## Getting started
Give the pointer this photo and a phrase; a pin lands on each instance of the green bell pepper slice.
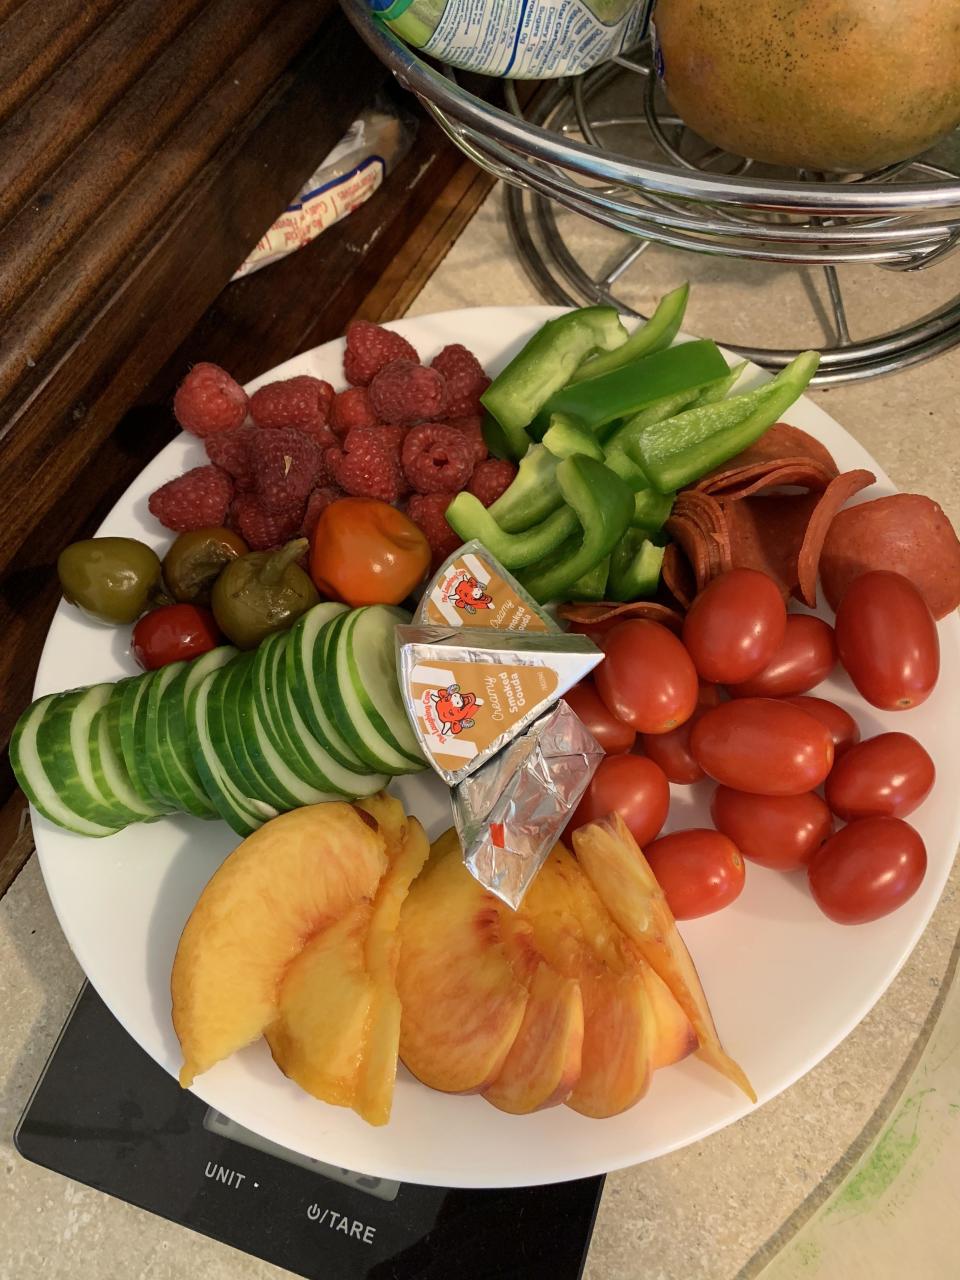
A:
(624, 392)
(470, 519)
(546, 364)
(593, 584)
(634, 567)
(533, 494)
(565, 437)
(651, 509)
(658, 333)
(603, 505)
(681, 449)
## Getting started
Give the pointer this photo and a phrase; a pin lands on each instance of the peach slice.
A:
(675, 1038)
(621, 875)
(378, 1068)
(463, 1005)
(326, 1006)
(619, 1031)
(283, 885)
(543, 1064)
(387, 812)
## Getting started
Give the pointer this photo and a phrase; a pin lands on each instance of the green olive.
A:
(262, 592)
(110, 579)
(196, 560)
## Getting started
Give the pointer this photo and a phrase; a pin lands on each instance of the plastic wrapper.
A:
(468, 693)
(518, 39)
(511, 812)
(374, 144)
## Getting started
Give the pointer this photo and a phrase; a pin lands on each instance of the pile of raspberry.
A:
(403, 432)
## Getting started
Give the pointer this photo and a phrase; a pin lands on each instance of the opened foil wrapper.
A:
(510, 813)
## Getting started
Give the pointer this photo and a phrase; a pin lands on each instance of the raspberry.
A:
(369, 348)
(317, 503)
(472, 428)
(491, 478)
(261, 529)
(302, 402)
(465, 379)
(230, 450)
(437, 458)
(286, 465)
(367, 466)
(426, 510)
(351, 408)
(404, 393)
(208, 400)
(198, 499)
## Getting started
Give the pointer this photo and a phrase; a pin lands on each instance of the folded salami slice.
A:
(677, 576)
(777, 443)
(783, 456)
(766, 533)
(604, 613)
(837, 492)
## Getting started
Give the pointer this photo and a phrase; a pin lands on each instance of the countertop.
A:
(845, 1174)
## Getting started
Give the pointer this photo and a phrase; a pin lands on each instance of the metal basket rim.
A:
(792, 196)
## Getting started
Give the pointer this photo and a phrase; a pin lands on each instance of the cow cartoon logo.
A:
(468, 594)
(454, 709)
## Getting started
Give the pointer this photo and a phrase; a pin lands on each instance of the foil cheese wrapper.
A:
(472, 589)
(468, 693)
(511, 812)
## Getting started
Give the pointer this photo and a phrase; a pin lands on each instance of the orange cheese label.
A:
(461, 708)
(469, 592)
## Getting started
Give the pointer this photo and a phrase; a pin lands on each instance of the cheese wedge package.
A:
(471, 589)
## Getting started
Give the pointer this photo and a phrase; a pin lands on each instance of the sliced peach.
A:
(378, 1069)
(387, 812)
(283, 885)
(462, 1002)
(326, 1001)
(619, 1030)
(675, 1037)
(621, 875)
(543, 1064)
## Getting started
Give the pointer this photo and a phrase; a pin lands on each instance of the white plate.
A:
(785, 984)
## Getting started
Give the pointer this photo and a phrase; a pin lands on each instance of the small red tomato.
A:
(867, 870)
(735, 626)
(887, 639)
(782, 832)
(646, 678)
(699, 871)
(807, 655)
(632, 786)
(763, 746)
(843, 728)
(890, 775)
(671, 751)
(173, 633)
(613, 735)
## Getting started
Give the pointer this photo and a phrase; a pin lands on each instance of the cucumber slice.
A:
(63, 744)
(365, 692)
(133, 693)
(227, 737)
(306, 664)
(241, 813)
(174, 746)
(145, 734)
(349, 782)
(32, 777)
(106, 763)
(154, 735)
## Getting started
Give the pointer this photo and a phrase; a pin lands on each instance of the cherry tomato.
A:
(671, 751)
(843, 728)
(807, 655)
(867, 870)
(890, 775)
(367, 552)
(782, 832)
(699, 871)
(613, 735)
(647, 678)
(173, 633)
(763, 746)
(632, 786)
(887, 639)
(735, 626)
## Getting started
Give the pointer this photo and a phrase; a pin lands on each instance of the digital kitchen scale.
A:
(105, 1114)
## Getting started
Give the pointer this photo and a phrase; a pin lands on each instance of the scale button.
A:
(340, 1223)
(232, 1178)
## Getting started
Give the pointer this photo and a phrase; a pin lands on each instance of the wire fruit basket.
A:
(667, 186)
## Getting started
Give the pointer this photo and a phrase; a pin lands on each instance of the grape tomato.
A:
(735, 626)
(763, 746)
(612, 734)
(844, 730)
(890, 775)
(671, 751)
(867, 870)
(632, 786)
(699, 870)
(806, 656)
(887, 640)
(647, 678)
(781, 832)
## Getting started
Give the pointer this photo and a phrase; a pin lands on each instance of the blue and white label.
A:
(534, 39)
